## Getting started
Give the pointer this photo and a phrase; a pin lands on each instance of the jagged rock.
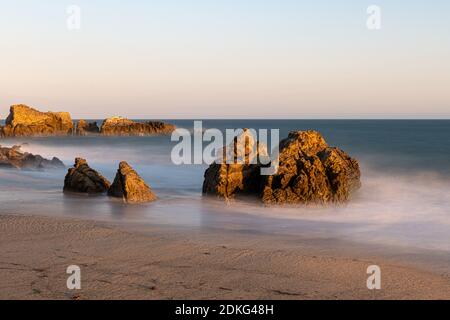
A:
(236, 177)
(26, 121)
(14, 158)
(311, 172)
(82, 178)
(118, 126)
(342, 171)
(129, 186)
(85, 128)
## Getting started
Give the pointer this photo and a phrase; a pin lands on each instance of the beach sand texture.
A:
(161, 263)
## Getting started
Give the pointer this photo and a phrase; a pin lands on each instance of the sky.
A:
(227, 58)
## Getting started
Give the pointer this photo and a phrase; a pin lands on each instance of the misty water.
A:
(404, 200)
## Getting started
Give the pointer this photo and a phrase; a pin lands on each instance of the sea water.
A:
(404, 199)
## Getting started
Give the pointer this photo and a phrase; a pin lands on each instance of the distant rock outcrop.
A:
(14, 158)
(229, 178)
(118, 126)
(26, 121)
(82, 178)
(311, 172)
(129, 186)
(85, 128)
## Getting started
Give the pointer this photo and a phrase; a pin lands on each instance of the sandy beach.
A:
(225, 150)
(158, 262)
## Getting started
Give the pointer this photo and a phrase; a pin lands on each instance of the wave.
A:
(406, 207)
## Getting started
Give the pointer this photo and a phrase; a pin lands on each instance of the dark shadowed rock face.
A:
(14, 158)
(84, 128)
(227, 180)
(26, 121)
(118, 126)
(311, 172)
(81, 178)
(129, 186)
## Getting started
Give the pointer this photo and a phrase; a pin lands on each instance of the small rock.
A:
(118, 126)
(84, 179)
(129, 186)
(14, 158)
(85, 128)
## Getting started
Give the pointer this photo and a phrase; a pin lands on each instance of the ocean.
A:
(404, 199)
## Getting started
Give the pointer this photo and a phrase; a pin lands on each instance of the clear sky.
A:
(227, 58)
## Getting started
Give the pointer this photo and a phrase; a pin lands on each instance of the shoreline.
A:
(158, 262)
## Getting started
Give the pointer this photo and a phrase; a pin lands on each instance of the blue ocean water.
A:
(405, 198)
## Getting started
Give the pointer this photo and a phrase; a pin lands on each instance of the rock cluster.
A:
(129, 186)
(26, 121)
(118, 126)
(309, 171)
(15, 158)
(82, 178)
(84, 128)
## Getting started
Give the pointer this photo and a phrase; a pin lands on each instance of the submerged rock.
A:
(85, 128)
(118, 126)
(129, 186)
(26, 121)
(227, 180)
(311, 172)
(82, 178)
(15, 158)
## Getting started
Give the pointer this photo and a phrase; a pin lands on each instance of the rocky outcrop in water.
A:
(16, 159)
(84, 128)
(227, 179)
(26, 121)
(311, 172)
(83, 179)
(129, 186)
(118, 126)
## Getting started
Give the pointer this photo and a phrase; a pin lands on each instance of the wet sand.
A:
(158, 262)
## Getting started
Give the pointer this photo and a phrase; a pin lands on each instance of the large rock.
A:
(84, 128)
(26, 121)
(15, 158)
(82, 178)
(129, 186)
(311, 172)
(118, 126)
(227, 179)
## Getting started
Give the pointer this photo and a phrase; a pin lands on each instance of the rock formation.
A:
(85, 128)
(229, 178)
(14, 158)
(81, 178)
(129, 186)
(118, 126)
(311, 172)
(26, 121)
